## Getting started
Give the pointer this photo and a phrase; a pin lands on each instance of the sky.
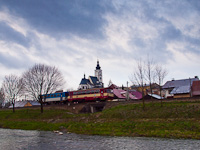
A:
(73, 34)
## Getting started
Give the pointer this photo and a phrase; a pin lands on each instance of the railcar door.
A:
(101, 92)
(61, 96)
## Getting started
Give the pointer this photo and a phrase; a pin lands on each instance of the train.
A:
(58, 97)
(95, 94)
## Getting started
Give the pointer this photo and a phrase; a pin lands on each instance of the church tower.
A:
(98, 72)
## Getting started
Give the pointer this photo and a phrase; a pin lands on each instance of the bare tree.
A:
(70, 89)
(150, 65)
(138, 78)
(12, 87)
(160, 74)
(42, 79)
(2, 97)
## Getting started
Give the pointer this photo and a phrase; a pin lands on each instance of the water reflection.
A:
(31, 140)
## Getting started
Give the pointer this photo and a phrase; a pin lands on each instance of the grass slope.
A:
(173, 120)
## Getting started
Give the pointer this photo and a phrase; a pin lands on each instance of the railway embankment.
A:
(175, 119)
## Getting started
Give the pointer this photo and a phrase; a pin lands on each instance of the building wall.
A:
(146, 90)
(98, 74)
(182, 95)
(167, 93)
(84, 86)
(27, 104)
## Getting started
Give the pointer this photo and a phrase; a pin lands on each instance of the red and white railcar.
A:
(96, 94)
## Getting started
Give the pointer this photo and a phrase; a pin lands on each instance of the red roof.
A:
(196, 88)
(122, 94)
(113, 86)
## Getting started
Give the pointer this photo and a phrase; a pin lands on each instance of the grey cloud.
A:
(61, 18)
(157, 14)
(84, 19)
(10, 35)
(13, 62)
(170, 33)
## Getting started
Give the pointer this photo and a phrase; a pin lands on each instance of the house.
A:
(146, 88)
(178, 88)
(26, 103)
(123, 94)
(196, 88)
(92, 81)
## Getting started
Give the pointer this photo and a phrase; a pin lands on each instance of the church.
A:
(92, 81)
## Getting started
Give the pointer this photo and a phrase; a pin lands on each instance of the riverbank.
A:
(173, 120)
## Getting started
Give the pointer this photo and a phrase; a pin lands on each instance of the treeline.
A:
(150, 72)
(37, 80)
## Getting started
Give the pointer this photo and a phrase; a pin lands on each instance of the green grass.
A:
(173, 120)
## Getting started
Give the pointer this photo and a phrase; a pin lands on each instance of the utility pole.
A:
(127, 93)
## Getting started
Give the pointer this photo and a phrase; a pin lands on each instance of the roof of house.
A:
(181, 90)
(113, 86)
(94, 80)
(137, 94)
(153, 85)
(196, 88)
(178, 83)
(34, 103)
(155, 96)
(84, 80)
(20, 103)
(122, 94)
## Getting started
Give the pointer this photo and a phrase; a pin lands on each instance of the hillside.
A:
(173, 120)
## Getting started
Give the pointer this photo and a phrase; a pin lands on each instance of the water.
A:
(41, 140)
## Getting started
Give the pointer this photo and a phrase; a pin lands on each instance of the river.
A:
(42, 140)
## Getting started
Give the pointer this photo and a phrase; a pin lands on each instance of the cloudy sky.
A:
(73, 34)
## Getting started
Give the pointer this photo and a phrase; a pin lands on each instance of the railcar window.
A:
(108, 91)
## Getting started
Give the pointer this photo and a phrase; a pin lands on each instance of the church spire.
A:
(98, 66)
